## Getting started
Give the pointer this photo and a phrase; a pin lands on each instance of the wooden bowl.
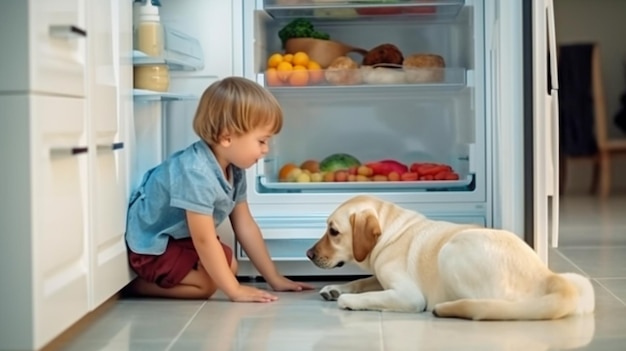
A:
(319, 50)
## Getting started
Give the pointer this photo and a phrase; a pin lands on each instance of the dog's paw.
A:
(349, 302)
(330, 292)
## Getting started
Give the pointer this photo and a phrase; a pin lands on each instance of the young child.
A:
(173, 215)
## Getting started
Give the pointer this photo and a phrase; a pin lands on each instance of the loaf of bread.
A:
(343, 71)
(424, 68)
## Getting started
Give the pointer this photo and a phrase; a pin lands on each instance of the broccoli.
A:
(300, 28)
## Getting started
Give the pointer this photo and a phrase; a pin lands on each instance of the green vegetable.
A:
(300, 28)
(338, 161)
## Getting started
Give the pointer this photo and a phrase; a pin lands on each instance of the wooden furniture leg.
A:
(605, 174)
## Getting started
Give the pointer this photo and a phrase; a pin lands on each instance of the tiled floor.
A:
(593, 241)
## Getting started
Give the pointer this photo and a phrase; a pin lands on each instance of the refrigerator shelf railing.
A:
(175, 63)
(446, 79)
(269, 184)
(149, 95)
(346, 10)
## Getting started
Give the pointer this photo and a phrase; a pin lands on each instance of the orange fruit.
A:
(274, 60)
(272, 79)
(283, 174)
(300, 58)
(288, 58)
(316, 74)
(284, 70)
(299, 76)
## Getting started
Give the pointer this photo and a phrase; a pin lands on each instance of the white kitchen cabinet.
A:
(50, 37)
(44, 253)
(66, 100)
(110, 107)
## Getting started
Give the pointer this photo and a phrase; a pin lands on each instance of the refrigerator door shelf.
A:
(463, 184)
(142, 95)
(344, 9)
(393, 81)
(174, 61)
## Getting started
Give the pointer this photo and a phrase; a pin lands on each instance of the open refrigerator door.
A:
(546, 131)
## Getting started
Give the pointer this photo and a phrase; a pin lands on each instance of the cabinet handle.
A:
(113, 147)
(68, 151)
(67, 32)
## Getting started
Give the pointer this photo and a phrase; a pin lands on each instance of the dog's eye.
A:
(333, 231)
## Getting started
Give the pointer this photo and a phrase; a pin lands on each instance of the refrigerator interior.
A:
(441, 121)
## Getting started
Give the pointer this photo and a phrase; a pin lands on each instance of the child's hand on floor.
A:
(250, 294)
(283, 284)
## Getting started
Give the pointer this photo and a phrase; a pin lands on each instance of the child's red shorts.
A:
(168, 269)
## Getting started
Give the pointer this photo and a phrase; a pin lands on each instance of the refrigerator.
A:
(491, 116)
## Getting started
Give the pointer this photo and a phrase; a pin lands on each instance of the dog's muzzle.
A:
(310, 254)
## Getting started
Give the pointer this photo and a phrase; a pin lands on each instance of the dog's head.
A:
(352, 232)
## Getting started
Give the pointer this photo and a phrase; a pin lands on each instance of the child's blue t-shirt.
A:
(190, 179)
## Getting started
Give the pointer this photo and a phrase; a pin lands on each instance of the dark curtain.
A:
(576, 116)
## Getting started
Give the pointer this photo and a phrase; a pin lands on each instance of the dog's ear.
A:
(365, 233)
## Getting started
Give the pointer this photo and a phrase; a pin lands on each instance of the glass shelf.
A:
(343, 9)
(447, 79)
(148, 95)
(365, 186)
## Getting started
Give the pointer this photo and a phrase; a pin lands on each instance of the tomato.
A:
(379, 168)
(441, 175)
(409, 176)
(378, 11)
(421, 9)
(452, 176)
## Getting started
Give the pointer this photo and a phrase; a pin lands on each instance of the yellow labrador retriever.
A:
(453, 270)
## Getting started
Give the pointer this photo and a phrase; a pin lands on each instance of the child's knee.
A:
(210, 290)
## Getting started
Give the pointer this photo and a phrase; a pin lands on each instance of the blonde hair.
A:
(236, 106)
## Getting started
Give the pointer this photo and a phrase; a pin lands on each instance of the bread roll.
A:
(424, 68)
(343, 71)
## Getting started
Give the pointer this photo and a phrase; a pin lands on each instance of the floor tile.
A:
(606, 344)
(297, 319)
(598, 262)
(431, 333)
(561, 264)
(617, 286)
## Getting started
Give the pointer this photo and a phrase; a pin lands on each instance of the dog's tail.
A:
(565, 294)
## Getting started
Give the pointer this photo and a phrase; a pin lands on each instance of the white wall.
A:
(604, 22)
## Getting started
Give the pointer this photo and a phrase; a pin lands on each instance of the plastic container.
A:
(149, 31)
(152, 77)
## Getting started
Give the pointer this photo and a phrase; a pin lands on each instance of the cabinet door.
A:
(59, 218)
(57, 47)
(109, 266)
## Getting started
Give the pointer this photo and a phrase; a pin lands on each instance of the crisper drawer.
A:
(286, 243)
(288, 238)
(479, 220)
(283, 249)
(45, 51)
